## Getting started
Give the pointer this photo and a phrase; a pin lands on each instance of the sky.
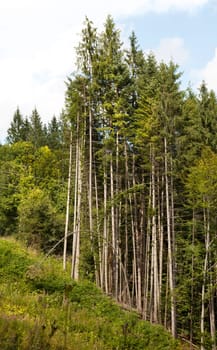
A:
(38, 40)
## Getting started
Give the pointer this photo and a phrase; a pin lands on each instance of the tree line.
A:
(126, 178)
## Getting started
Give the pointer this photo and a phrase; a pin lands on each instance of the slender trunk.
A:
(77, 209)
(154, 247)
(161, 240)
(90, 191)
(212, 317)
(98, 268)
(166, 297)
(78, 226)
(126, 208)
(105, 233)
(205, 266)
(147, 263)
(90, 177)
(192, 283)
(170, 246)
(76, 241)
(117, 220)
(67, 204)
(114, 240)
(138, 277)
(75, 200)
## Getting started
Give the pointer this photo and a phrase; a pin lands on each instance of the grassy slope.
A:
(42, 308)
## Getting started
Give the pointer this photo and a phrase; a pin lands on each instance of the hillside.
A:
(42, 308)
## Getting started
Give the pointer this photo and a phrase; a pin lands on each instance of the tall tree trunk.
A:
(170, 245)
(117, 220)
(105, 232)
(146, 308)
(192, 282)
(160, 238)
(138, 277)
(154, 245)
(212, 316)
(78, 197)
(75, 200)
(114, 239)
(205, 266)
(67, 204)
(90, 177)
(126, 226)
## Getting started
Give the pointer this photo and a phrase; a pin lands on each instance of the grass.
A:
(41, 308)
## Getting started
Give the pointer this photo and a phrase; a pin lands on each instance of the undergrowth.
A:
(41, 308)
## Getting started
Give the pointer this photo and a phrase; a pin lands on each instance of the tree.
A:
(39, 223)
(37, 134)
(54, 134)
(202, 187)
(19, 128)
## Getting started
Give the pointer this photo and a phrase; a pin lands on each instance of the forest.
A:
(123, 184)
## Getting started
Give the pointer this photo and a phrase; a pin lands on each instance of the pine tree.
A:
(19, 128)
(37, 134)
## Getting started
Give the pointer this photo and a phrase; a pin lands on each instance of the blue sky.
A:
(37, 41)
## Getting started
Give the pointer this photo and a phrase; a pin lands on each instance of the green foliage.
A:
(140, 145)
(19, 128)
(42, 308)
(38, 221)
(14, 261)
(202, 181)
(32, 194)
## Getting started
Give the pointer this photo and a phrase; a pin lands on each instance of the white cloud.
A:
(208, 74)
(178, 5)
(172, 49)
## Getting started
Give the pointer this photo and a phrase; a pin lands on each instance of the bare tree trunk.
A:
(212, 317)
(90, 191)
(77, 209)
(117, 220)
(126, 208)
(105, 234)
(138, 277)
(170, 246)
(98, 269)
(210, 289)
(154, 247)
(161, 240)
(146, 312)
(78, 225)
(114, 239)
(67, 204)
(192, 283)
(90, 177)
(202, 318)
(166, 297)
(75, 200)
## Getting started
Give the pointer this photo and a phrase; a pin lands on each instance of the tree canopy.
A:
(128, 172)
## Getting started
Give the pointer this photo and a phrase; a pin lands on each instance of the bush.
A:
(42, 308)
(14, 260)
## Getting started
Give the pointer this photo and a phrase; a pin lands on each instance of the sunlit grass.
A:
(41, 308)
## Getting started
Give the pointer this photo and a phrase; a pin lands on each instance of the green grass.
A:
(41, 308)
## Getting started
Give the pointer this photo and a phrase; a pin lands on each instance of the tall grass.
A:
(42, 308)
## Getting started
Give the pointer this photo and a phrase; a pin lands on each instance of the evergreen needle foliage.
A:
(124, 186)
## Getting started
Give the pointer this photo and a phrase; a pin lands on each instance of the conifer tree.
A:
(19, 128)
(37, 134)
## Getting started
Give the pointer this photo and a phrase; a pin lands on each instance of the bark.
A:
(67, 204)
(154, 248)
(170, 245)
(146, 308)
(105, 234)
